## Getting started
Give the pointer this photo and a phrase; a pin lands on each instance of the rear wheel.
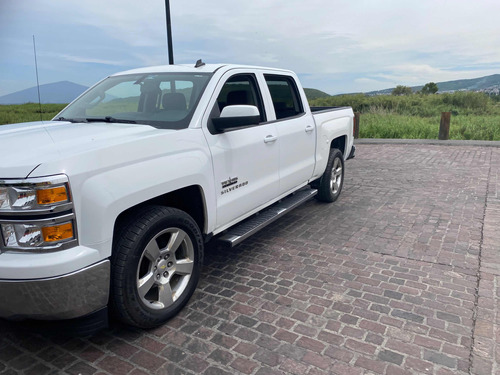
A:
(330, 184)
(156, 266)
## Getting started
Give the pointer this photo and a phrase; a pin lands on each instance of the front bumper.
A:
(64, 297)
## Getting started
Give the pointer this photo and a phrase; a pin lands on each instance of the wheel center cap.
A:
(162, 266)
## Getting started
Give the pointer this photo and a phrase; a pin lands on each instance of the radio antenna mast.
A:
(169, 34)
(37, 83)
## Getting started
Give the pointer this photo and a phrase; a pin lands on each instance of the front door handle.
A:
(309, 128)
(270, 139)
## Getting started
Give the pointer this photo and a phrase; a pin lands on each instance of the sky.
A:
(337, 46)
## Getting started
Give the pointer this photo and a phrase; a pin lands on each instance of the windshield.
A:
(163, 100)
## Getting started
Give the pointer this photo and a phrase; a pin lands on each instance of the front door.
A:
(246, 159)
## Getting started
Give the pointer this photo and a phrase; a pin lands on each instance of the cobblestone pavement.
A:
(399, 276)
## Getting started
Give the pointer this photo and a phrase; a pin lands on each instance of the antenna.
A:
(169, 34)
(37, 83)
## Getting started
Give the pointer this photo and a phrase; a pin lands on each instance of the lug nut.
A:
(167, 256)
(155, 268)
(169, 264)
(165, 274)
(158, 276)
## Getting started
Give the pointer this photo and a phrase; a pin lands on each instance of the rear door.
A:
(245, 159)
(296, 132)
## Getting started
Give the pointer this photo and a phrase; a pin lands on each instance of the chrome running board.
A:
(233, 236)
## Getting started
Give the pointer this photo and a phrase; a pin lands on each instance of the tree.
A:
(402, 90)
(430, 88)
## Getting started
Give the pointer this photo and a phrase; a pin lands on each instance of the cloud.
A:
(336, 45)
(81, 59)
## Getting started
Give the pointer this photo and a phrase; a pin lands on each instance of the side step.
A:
(233, 236)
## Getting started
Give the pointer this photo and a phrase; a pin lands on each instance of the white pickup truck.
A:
(111, 202)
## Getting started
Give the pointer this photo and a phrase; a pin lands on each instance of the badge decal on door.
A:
(229, 182)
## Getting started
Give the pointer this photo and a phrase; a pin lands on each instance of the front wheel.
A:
(330, 184)
(156, 265)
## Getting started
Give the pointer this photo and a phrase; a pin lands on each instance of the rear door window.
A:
(285, 96)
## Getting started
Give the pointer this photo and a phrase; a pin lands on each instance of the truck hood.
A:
(23, 147)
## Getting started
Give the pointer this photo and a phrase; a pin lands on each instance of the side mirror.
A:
(234, 116)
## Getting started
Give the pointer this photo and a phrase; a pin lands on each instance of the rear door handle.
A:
(270, 139)
(309, 128)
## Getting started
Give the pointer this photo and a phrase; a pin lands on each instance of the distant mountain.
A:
(315, 94)
(476, 84)
(488, 84)
(58, 92)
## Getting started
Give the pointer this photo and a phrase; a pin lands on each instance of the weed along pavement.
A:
(400, 276)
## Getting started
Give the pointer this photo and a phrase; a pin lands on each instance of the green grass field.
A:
(11, 114)
(475, 116)
(412, 127)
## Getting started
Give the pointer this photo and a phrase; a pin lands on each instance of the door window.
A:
(241, 89)
(285, 96)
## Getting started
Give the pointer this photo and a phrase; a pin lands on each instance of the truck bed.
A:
(327, 109)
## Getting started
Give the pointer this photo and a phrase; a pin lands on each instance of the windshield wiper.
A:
(110, 119)
(73, 120)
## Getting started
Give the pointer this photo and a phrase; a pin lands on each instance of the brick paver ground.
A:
(400, 276)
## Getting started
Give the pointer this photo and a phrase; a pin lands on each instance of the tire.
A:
(330, 184)
(155, 266)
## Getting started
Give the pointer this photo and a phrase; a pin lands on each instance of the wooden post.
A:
(444, 126)
(357, 116)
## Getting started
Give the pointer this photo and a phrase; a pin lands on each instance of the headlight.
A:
(37, 214)
(37, 195)
(45, 234)
(4, 198)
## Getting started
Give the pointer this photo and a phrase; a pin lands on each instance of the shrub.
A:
(402, 90)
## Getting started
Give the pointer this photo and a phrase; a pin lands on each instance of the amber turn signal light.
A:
(58, 232)
(53, 195)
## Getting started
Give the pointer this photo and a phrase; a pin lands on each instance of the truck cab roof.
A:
(190, 68)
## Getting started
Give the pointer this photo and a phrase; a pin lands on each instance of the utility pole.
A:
(169, 34)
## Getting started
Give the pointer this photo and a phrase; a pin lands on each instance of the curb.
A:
(426, 142)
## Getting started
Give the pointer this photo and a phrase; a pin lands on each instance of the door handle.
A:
(270, 139)
(309, 128)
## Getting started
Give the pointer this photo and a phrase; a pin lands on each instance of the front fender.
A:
(105, 196)
(108, 178)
